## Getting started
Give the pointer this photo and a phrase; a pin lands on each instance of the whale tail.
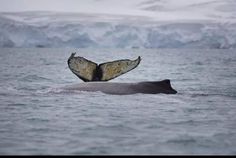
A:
(88, 71)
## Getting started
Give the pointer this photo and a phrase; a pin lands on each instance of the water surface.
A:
(38, 117)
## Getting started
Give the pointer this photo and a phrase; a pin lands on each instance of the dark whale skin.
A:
(118, 88)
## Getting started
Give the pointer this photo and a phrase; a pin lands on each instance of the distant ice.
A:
(132, 24)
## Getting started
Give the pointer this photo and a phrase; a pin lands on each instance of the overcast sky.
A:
(32, 5)
(64, 5)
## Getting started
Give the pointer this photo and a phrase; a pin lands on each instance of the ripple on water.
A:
(17, 104)
(33, 78)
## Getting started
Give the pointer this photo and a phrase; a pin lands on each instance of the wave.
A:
(34, 78)
(213, 94)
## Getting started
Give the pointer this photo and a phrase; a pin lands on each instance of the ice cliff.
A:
(154, 30)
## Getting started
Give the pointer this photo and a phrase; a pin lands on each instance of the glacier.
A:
(102, 30)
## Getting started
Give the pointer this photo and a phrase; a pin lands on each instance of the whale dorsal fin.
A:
(82, 67)
(90, 71)
(111, 70)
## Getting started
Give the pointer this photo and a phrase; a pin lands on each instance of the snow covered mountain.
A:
(125, 24)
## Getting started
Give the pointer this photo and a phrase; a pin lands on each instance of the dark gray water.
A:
(38, 117)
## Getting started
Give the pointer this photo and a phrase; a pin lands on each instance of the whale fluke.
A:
(88, 71)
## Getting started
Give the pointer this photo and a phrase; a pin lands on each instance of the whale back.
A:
(149, 87)
(154, 87)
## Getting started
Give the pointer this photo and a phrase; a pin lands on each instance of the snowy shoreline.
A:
(134, 24)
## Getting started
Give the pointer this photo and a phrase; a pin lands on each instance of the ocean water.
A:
(38, 117)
